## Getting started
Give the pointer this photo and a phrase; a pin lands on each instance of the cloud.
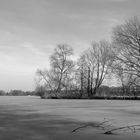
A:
(30, 30)
(117, 0)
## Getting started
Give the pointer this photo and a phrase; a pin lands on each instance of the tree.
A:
(121, 76)
(126, 39)
(45, 83)
(59, 77)
(40, 91)
(98, 60)
(2, 93)
(62, 65)
(80, 75)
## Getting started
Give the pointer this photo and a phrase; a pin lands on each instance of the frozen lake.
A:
(32, 118)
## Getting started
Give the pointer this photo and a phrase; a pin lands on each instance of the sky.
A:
(31, 29)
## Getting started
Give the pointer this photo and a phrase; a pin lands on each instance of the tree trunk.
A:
(81, 91)
(88, 86)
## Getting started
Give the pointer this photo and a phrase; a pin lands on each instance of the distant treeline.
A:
(104, 92)
(17, 93)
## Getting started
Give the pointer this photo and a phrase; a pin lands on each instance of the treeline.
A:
(119, 58)
(104, 92)
(17, 93)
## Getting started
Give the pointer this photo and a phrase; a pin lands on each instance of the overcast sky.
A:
(30, 29)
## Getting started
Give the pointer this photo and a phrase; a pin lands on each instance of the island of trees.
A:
(85, 77)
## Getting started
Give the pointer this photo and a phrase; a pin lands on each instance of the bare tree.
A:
(97, 60)
(60, 74)
(81, 74)
(121, 76)
(126, 39)
(62, 65)
(46, 80)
